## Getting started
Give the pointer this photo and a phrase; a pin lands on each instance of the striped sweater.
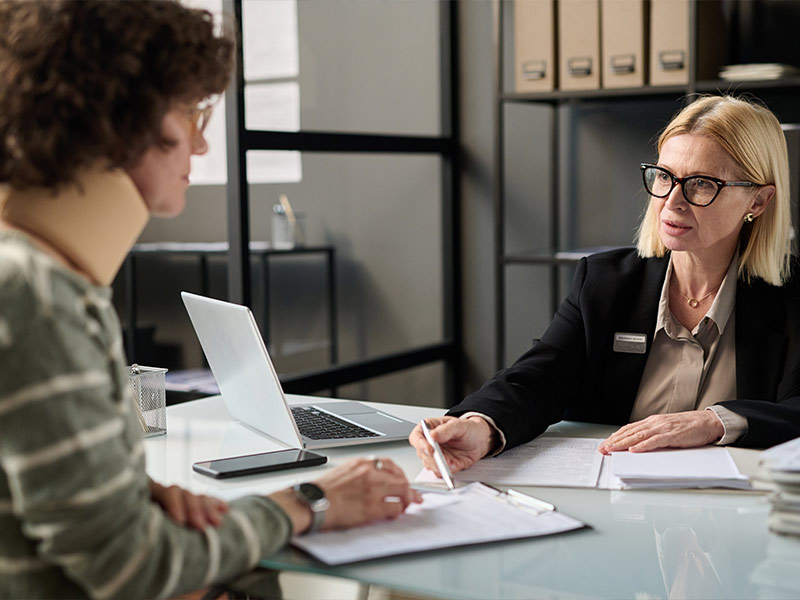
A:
(76, 518)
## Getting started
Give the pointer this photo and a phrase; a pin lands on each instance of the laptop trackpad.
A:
(375, 420)
(346, 407)
(369, 417)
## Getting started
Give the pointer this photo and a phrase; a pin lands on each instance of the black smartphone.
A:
(237, 466)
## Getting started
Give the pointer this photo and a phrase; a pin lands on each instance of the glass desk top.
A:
(642, 544)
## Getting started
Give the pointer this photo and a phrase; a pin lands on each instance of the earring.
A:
(748, 218)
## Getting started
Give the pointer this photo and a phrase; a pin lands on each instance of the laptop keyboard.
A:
(318, 425)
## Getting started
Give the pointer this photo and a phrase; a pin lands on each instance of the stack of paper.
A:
(191, 380)
(782, 463)
(706, 467)
(757, 71)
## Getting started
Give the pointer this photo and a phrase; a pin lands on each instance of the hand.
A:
(463, 441)
(358, 491)
(688, 429)
(363, 490)
(191, 510)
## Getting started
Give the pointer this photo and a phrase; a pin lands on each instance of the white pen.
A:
(444, 470)
(530, 500)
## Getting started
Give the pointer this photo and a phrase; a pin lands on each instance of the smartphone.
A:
(264, 462)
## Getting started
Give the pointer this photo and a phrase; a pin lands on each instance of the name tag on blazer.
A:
(630, 343)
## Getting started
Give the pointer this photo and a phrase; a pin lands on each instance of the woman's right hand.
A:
(463, 441)
(359, 491)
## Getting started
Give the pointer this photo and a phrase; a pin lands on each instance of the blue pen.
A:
(438, 457)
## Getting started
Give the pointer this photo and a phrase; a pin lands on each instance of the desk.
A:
(700, 544)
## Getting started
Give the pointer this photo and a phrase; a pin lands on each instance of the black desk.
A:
(203, 250)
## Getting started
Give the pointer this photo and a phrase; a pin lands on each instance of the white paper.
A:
(545, 461)
(783, 457)
(607, 480)
(469, 515)
(272, 106)
(709, 466)
(271, 39)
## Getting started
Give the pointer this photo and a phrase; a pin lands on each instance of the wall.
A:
(477, 212)
(359, 70)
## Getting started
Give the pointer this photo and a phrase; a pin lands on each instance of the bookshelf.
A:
(560, 202)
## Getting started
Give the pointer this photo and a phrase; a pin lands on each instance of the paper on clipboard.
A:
(474, 514)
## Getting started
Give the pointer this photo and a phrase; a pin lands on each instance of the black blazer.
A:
(573, 373)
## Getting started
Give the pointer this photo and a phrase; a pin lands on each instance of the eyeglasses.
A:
(199, 116)
(699, 190)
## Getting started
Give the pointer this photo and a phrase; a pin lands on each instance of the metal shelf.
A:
(240, 140)
(555, 99)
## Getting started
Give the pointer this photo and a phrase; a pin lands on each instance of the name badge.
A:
(631, 343)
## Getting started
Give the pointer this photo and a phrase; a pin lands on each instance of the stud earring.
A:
(748, 218)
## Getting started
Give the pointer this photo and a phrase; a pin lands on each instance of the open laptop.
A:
(253, 394)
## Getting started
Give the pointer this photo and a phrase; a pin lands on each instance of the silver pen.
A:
(438, 457)
(530, 500)
(523, 500)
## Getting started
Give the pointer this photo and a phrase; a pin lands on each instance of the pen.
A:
(438, 457)
(523, 500)
(530, 500)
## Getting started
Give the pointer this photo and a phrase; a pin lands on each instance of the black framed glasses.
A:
(699, 190)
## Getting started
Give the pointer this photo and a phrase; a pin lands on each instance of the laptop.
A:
(253, 394)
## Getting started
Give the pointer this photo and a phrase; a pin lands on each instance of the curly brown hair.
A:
(89, 81)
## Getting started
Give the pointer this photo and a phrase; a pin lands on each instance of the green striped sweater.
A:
(76, 518)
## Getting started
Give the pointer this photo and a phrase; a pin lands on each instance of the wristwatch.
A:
(314, 498)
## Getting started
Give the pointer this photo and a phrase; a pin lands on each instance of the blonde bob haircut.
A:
(752, 135)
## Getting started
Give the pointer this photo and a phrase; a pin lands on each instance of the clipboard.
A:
(473, 514)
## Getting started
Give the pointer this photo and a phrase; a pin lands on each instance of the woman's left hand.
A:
(188, 509)
(688, 429)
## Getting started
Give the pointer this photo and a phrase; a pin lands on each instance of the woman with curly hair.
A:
(102, 104)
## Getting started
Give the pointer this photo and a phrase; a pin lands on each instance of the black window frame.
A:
(241, 140)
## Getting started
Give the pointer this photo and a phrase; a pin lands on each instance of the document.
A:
(706, 467)
(575, 462)
(783, 457)
(782, 465)
(545, 461)
(473, 514)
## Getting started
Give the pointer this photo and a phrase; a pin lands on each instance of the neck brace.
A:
(93, 223)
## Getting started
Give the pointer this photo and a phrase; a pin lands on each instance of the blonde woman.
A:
(689, 339)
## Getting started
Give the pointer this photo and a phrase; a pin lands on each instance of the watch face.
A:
(311, 491)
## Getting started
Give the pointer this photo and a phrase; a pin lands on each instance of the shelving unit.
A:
(240, 140)
(203, 252)
(779, 90)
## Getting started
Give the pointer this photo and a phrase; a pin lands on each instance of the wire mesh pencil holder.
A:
(149, 398)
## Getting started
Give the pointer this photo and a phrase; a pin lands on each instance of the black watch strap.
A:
(313, 496)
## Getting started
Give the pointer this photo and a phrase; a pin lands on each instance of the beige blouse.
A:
(686, 370)
(693, 370)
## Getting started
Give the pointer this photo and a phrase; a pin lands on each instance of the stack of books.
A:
(782, 466)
